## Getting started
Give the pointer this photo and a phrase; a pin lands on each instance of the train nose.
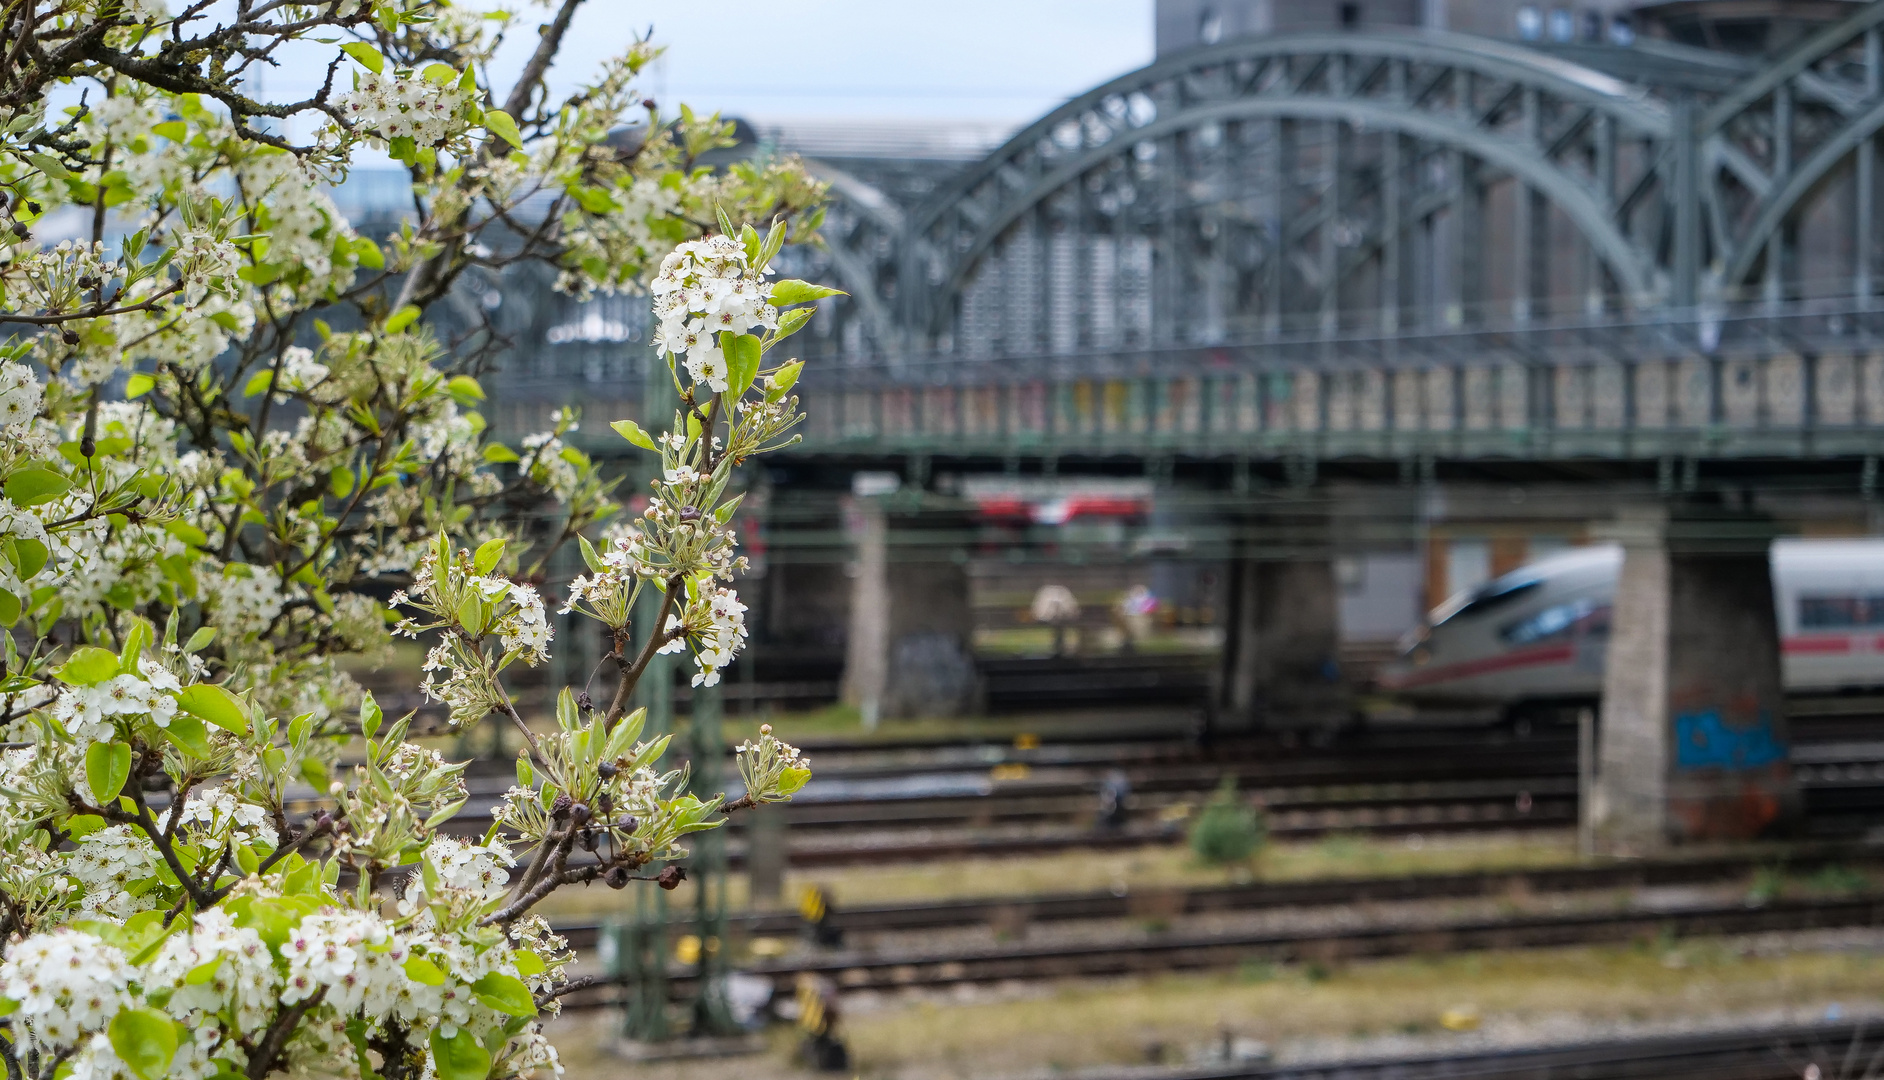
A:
(1415, 654)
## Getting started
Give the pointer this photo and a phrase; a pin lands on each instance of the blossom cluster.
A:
(705, 288)
(20, 394)
(714, 626)
(67, 982)
(86, 712)
(773, 770)
(408, 106)
(220, 983)
(469, 603)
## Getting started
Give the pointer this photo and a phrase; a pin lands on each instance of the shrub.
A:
(1229, 830)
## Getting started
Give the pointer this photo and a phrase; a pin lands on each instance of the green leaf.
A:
(314, 771)
(367, 55)
(473, 613)
(742, 364)
(488, 555)
(205, 971)
(370, 715)
(32, 486)
(505, 993)
(774, 239)
(49, 165)
(780, 382)
(402, 318)
(189, 734)
(8, 1006)
(749, 239)
(459, 1057)
(107, 767)
(188, 533)
(210, 702)
(340, 482)
(174, 130)
(145, 1040)
(10, 609)
(634, 433)
(139, 384)
(790, 322)
(140, 635)
(266, 273)
(499, 123)
(258, 382)
(589, 556)
(526, 775)
(439, 74)
(200, 640)
(465, 390)
(793, 291)
(89, 665)
(593, 199)
(31, 556)
(423, 971)
(791, 779)
(528, 963)
(499, 454)
(369, 254)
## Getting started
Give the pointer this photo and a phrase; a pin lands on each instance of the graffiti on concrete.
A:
(1704, 741)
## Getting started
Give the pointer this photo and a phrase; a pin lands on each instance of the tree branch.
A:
(262, 1061)
(657, 638)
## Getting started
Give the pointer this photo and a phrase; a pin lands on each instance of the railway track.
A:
(1177, 902)
(1181, 951)
(1839, 1051)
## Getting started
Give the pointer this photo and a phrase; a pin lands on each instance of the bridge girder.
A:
(1573, 145)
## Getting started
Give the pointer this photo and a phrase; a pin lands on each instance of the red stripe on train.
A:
(1465, 669)
(1820, 644)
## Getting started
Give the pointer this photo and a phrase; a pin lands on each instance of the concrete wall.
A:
(1281, 666)
(909, 647)
(1692, 736)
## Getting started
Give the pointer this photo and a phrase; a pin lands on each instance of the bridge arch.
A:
(1429, 122)
(1794, 128)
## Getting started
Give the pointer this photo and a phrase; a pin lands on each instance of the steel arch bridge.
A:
(1384, 244)
(1381, 245)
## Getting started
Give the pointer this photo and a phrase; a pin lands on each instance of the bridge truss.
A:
(1375, 242)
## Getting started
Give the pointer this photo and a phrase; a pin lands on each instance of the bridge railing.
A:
(1802, 379)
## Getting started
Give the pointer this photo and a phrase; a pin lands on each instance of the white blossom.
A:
(68, 984)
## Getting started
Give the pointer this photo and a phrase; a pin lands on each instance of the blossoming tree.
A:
(227, 435)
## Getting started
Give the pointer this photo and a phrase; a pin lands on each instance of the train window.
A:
(1557, 620)
(1492, 595)
(1835, 612)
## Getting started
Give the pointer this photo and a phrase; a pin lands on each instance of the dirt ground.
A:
(1311, 1012)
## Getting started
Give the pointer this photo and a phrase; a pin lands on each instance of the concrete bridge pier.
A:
(1282, 635)
(909, 651)
(1692, 737)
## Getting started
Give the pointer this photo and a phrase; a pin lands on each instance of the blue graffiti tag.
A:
(1703, 741)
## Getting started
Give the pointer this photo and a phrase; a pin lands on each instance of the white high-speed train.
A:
(1539, 634)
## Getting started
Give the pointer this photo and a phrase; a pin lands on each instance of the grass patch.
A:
(1113, 1024)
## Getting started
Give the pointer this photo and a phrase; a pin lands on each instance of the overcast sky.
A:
(994, 60)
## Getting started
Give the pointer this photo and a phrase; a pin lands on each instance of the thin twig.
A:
(262, 1061)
